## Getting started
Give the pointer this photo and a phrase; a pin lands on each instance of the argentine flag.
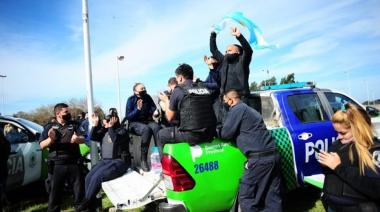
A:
(256, 38)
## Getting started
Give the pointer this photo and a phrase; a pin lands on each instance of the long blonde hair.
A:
(351, 117)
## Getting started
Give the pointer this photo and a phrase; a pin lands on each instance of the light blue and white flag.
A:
(256, 38)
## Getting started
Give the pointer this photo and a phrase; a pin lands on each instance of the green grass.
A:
(34, 198)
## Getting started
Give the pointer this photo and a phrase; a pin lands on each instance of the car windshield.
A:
(32, 125)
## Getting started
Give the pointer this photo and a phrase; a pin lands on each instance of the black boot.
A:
(144, 161)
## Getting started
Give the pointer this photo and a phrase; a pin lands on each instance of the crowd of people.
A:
(197, 111)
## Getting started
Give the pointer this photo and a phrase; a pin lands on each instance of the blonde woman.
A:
(352, 167)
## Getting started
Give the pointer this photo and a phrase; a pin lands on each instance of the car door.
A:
(308, 125)
(24, 163)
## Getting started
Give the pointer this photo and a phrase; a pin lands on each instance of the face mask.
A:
(226, 105)
(142, 93)
(231, 57)
(66, 117)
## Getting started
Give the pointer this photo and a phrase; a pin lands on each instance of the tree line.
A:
(43, 114)
(290, 78)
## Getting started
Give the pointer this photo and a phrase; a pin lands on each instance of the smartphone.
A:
(316, 149)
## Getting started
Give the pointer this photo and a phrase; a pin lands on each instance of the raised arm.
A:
(247, 49)
(214, 49)
(97, 132)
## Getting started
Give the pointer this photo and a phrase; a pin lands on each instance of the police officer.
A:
(193, 105)
(352, 165)
(234, 67)
(172, 83)
(63, 137)
(115, 156)
(139, 112)
(259, 187)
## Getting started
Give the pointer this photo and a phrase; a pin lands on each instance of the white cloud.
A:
(154, 37)
(310, 48)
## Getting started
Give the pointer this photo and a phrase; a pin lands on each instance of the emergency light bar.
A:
(290, 85)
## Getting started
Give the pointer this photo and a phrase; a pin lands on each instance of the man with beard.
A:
(234, 66)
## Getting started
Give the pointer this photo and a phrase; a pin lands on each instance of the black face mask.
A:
(66, 117)
(226, 105)
(142, 93)
(231, 57)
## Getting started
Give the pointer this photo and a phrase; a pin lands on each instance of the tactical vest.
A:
(195, 108)
(118, 149)
(62, 148)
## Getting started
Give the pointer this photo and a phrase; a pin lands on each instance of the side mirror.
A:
(372, 111)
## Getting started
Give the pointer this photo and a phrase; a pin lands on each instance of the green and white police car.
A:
(25, 163)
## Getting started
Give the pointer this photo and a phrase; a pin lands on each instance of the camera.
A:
(112, 113)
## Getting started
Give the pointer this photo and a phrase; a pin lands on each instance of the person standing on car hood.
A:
(233, 69)
(63, 137)
(259, 187)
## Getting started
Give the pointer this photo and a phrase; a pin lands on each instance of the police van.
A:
(205, 177)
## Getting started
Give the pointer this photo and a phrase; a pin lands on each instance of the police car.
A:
(205, 177)
(25, 163)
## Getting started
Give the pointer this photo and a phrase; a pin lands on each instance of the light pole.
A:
(118, 58)
(2, 94)
(348, 81)
(265, 81)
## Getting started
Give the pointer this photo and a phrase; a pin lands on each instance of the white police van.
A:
(25, 163)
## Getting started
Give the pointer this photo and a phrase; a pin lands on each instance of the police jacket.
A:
(246, 125)
(145, 114)
(62, 149)
(345, 181)
(195, 108)
(114, 142)
(233, 75)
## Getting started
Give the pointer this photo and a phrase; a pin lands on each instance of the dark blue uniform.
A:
(115, 160)
(174, 134)
(63, 163)
(141, 121)
(260, 184)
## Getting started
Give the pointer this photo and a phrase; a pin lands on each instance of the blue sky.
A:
(334, 43)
